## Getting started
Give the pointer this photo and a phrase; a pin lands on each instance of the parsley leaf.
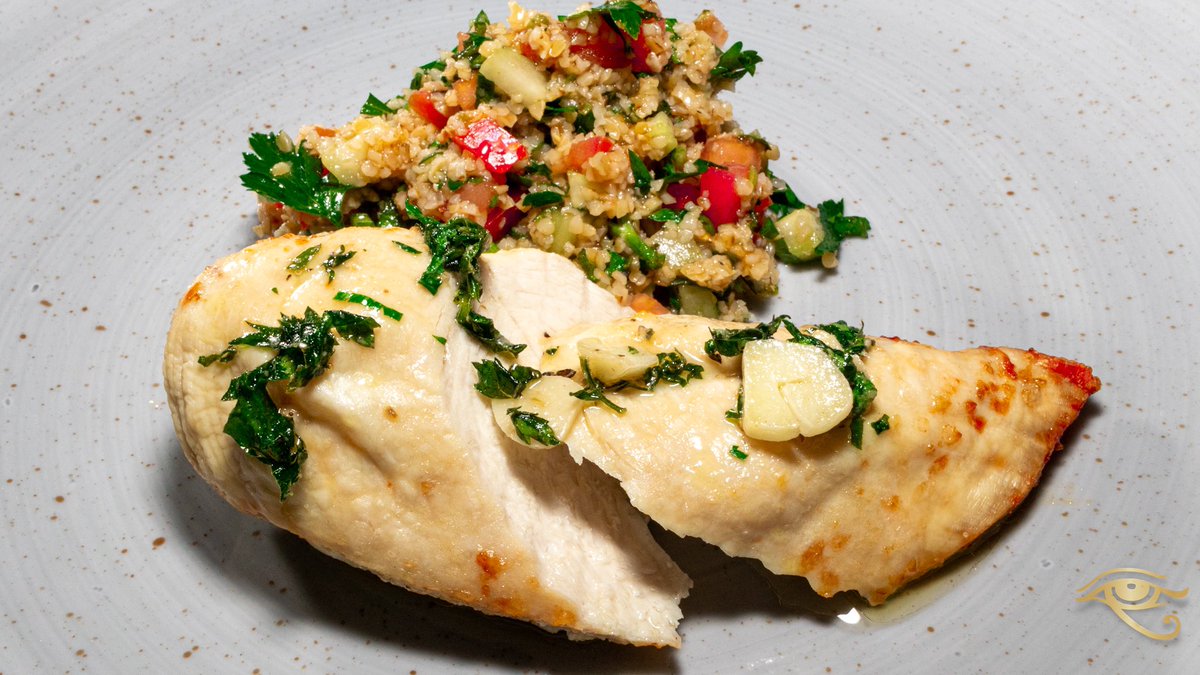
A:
(473, 40)
(374, 107)
(531, 427)
(738, 454)
(673, 368)
(616, 263)
(300, 262)
(369, 302)
(667, 216)
(839, 226)
(335, 259)
(303, 347)
(735, 63)
(625, 14)
(732, 341)
(496, 381)
(641, 175)
(301, 186)
(406, 248)
(738, 410)
(542, 198)
(419, 76)
(593, 389)
(455, 247)
(882, 424)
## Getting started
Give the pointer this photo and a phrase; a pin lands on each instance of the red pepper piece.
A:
(724, 204)
(500, 221)
(493, 144)
(684, 194)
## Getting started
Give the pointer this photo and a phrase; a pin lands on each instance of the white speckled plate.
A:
(1031, 173)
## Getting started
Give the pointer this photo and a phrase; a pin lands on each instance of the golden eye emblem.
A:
(1132, 594)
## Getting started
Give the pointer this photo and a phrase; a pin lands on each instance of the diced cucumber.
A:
(516, 77)
(561, 220)
(697, 301)
(658, 135)
(801, 232)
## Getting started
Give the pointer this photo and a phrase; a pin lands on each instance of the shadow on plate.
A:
(303, 584)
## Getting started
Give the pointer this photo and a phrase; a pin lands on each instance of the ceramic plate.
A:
(1030, 173)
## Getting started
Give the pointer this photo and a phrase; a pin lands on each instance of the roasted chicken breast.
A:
(969, 434)
(406, 473)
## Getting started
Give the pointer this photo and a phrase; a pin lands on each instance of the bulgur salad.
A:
(597, 135)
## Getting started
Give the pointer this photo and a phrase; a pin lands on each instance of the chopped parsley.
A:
(738, 410)
(441, 340)
(336, 259)
(531, 427)
(738, 454)
(419, 76)
(371, 303)
(735, 63)
(593, 389)
(455, 247)
(303, 346)
(374, 107)
(616, 263)
(292, 177)
(469, 51)
(882, 424)
(542, 198)
(496, 381)
(673, 368)
(667, 216)
(625, 14)
(300, 262)
(406, 248)
(839, 226)
(641, 175)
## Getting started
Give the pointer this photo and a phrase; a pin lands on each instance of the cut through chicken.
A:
(969, 434)
(407, 475)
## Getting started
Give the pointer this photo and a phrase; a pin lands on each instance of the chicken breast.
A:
(969, 434)
(406, 473)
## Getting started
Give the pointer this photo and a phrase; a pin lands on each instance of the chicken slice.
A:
(407, 475)
(969, 434)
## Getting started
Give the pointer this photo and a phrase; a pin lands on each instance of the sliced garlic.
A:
(615, 363)
(791, 390)
(548, 397)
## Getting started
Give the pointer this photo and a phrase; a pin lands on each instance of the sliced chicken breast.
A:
(969, 434)
(406, 473)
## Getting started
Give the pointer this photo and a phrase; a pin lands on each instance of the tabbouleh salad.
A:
(598, 136)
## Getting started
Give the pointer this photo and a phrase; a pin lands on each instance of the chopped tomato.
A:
(644, 302)
(500, 221)
(478, 194)
(728, 151)
(652, 34)
(325, 132)
(724, 204)
(493, 144)
(464, 91)
(684, 194)
(709, 23)
(421, 103)
(584, 150)
(606, 48)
